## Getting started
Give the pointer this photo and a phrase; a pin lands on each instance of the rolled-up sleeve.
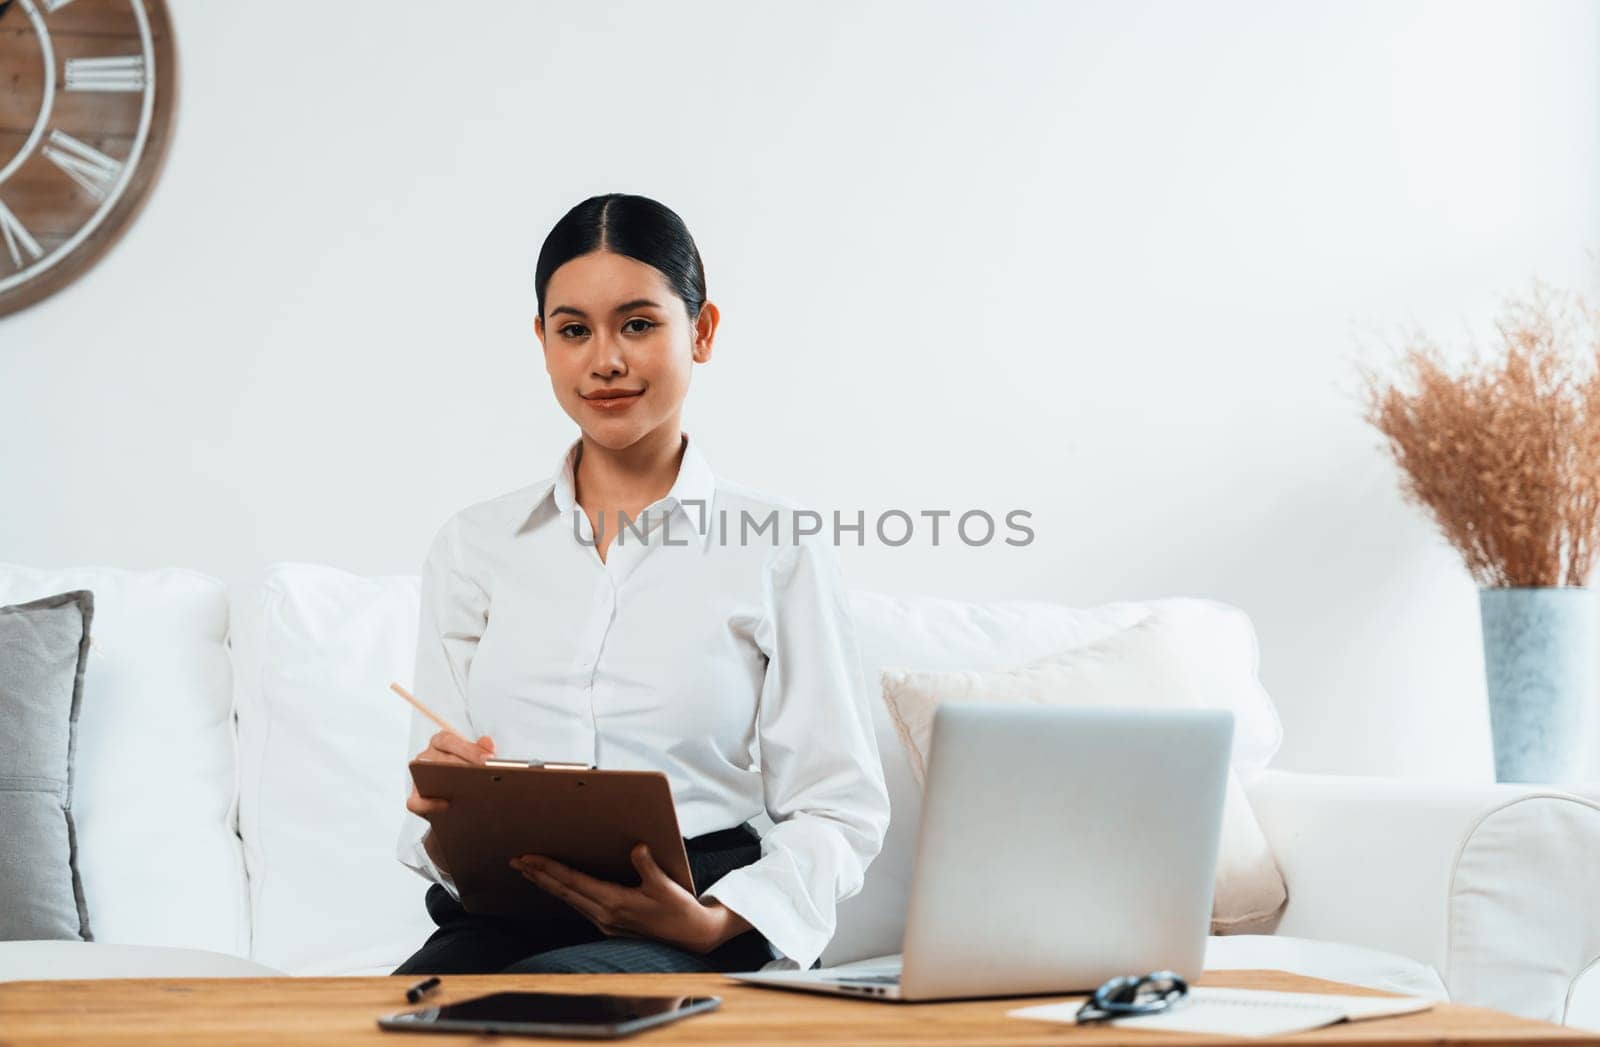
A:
(454, 610)
(821, 774)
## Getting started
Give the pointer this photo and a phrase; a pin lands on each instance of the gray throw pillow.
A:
(44, 645)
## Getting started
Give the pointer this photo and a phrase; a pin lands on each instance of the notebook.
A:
(1246, 1012)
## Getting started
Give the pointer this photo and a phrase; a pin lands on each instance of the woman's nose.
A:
(608, 359)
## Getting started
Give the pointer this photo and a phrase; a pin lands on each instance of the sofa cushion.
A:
(51, 961)
(944, 635)
(155, 774)
(1165, 660)
(44, 645)
(322, 748)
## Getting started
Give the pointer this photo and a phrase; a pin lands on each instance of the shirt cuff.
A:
(771, 910)
(414, 856)
(443, 879)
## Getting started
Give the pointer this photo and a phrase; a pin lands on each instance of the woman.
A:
(635, 611)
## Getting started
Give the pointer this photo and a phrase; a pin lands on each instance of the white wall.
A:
(1107, 262)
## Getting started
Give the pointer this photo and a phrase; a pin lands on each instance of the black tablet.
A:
(592, 1015)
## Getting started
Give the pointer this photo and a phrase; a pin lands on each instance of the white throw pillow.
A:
(323, 747)
(1154, 663)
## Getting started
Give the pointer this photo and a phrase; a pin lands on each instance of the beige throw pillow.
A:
(1152, 663)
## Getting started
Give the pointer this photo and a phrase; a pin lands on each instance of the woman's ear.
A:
(705, 331)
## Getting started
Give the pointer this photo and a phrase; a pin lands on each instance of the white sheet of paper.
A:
(1245, 1012)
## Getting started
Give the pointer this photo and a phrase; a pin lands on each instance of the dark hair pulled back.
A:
(635, 226)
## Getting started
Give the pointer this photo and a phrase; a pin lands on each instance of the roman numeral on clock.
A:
(17, 238)
(117, 73)
(84, 164)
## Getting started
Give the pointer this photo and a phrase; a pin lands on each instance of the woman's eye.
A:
(578, 330)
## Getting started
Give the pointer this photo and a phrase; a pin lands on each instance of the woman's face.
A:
(618, 345)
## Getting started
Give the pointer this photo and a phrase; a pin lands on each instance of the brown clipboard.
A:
(588, 819)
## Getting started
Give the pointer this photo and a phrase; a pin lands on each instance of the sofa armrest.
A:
(1493, 885)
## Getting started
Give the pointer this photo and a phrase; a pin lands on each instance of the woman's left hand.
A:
(658, 908)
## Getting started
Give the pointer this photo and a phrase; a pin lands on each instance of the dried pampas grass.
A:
(1505, 452)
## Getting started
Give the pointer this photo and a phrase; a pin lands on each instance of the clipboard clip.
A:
(554, 765)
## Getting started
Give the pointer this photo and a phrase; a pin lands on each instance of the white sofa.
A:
(241, 772)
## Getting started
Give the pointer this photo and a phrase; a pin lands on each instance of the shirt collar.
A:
(690, 494)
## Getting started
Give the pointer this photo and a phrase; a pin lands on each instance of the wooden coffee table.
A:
(345, 1010)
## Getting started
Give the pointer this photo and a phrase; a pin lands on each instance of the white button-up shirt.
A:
(718, 649)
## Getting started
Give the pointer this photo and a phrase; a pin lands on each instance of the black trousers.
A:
(479, 943)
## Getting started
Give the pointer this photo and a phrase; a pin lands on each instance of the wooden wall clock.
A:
(88, 90)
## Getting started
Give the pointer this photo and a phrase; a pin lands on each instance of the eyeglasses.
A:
(1129, 996)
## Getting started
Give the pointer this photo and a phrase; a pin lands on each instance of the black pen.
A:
(419, 990)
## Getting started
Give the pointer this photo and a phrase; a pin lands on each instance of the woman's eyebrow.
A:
(637, 303)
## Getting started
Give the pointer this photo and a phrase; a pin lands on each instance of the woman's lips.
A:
(612, 404)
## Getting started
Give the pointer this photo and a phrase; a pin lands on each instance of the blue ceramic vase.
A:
(1539, 654)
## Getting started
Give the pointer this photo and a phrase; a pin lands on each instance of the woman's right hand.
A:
(445, 747)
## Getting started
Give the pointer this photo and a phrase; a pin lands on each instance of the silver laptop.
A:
(1058, 849)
